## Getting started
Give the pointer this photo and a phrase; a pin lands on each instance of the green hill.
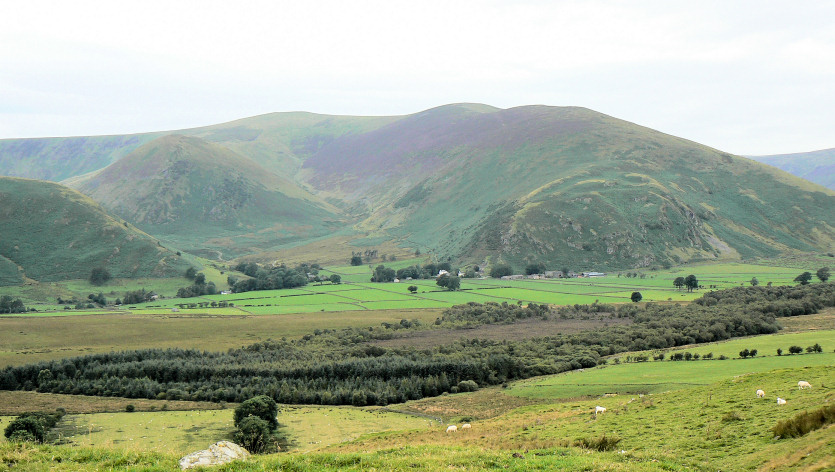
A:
(815, 166)
(566, 186)
(206, 198)
(49, 232)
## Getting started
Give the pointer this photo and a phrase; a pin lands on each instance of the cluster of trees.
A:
(136, 296)
(11, 305)
(500, 270)
(99, 299)
(690, 282)
(199, 286)
(32, 426)
(806, 277)
(815, 348)
(687, 356)
(427, 271)
(369, 255)
(347, 367)
(272, 278)
(449, 282)
(383, 274)
(747, 353)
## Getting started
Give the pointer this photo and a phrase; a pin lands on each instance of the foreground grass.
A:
(430, 458)
(721, 426)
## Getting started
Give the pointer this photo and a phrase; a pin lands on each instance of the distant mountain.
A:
(49, 232)
(206, 198)
(815, 166)
(280, 142)
(566, 186)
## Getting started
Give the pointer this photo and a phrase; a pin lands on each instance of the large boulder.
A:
(218, 453)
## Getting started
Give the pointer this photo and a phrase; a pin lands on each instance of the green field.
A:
(357, 293)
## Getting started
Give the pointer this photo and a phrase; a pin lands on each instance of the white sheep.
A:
(803, 384)
(451, 428)
(780, 401)
(466, 426)
(598, 409)
(760, 394)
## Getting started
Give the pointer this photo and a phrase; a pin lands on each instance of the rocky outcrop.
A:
(218, 453)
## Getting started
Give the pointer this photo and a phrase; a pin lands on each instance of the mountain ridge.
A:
(566, 186)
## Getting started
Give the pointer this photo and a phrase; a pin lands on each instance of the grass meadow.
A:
(697, 415)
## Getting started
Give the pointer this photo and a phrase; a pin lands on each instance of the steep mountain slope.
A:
(205, 197)
(815, 166)
(277, 141)
(49, 232)
(566, 186)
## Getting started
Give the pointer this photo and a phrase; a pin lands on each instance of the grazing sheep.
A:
(760, 394)
(780, 401)
(466, 426)
(803, 384)
(451, 428)
(598, 409)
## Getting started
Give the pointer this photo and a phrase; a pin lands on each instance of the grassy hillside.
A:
(815, 166)
(566, 186)
(50, 232)
(207, 198)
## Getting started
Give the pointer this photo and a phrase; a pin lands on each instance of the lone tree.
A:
(412, 288)
(636, 297)
(257, 422)
(678, 282)
(823, 274)
(795, 349)
(356, 260)
(691, 282)
(754, 282)
(99, 276)
(262, 407)
(804, 278)
(335, 279)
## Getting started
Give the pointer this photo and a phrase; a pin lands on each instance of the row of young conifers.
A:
(349, 366)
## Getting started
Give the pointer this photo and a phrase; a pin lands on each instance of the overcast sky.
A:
(747, 77)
